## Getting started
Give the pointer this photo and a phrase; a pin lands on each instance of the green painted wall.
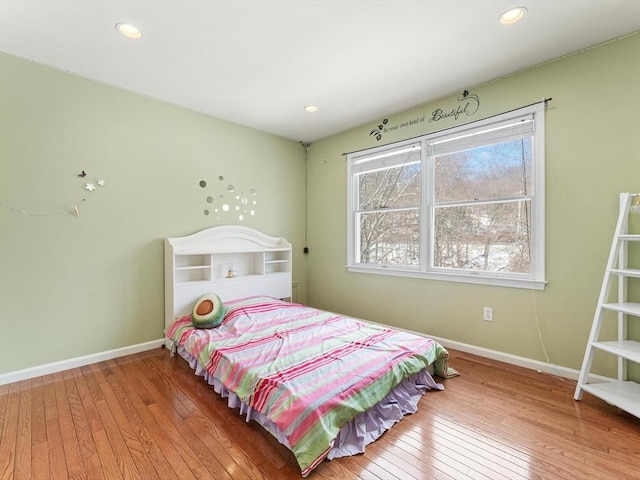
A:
(72, 286)
(592, 154)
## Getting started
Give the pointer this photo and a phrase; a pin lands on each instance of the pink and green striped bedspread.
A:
(307, 370)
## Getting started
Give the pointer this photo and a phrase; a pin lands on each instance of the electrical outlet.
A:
(487, 314)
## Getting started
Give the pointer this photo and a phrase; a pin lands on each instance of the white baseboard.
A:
(537, 365)
(55, 367)
(541, 367)
(463, 347)
(557, 370)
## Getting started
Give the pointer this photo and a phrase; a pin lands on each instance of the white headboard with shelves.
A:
(231, 261)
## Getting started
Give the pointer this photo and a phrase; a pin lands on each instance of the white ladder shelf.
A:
(620, 392)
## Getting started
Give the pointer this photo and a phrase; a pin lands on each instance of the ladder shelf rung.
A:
(623, 395)
(626, 272)
(630, 308)
(629, 237)
(629, 349)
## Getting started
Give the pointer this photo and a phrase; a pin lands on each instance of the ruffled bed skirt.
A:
(354, 436)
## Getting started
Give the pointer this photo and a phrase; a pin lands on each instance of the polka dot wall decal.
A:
(226, 198)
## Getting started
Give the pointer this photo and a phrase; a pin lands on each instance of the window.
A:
(465, 204)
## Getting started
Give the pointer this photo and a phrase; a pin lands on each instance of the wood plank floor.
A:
(146, 416)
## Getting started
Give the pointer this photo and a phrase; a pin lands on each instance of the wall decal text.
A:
(470, 103)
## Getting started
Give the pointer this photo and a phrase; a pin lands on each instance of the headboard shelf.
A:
(231, 261)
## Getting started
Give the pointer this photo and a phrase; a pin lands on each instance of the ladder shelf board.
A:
(626, 272)
(629, 308)
(629, 349)
(624, 395)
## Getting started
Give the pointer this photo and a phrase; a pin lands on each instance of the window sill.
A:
(478, 279)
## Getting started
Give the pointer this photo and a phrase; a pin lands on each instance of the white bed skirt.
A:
(354, 436)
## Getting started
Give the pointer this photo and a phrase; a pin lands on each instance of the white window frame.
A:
(535, 279)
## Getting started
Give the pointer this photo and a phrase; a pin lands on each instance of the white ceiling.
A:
(258, 63)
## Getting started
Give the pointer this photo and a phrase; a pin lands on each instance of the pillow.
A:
(208, 312)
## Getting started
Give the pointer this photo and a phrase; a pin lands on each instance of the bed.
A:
(325, 385)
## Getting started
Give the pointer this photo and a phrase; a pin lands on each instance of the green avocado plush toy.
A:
(208, 312)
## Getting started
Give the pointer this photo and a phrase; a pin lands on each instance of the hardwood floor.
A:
(147, 416)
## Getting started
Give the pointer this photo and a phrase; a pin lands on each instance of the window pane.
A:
(394, 187)
(493, 171)
(462, 204)
(490, 237)
(390, 238)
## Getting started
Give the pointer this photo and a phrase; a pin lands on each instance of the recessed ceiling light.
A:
(128, 30)
(311, 108)
(512, 15)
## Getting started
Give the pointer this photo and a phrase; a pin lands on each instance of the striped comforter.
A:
(307, 370)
